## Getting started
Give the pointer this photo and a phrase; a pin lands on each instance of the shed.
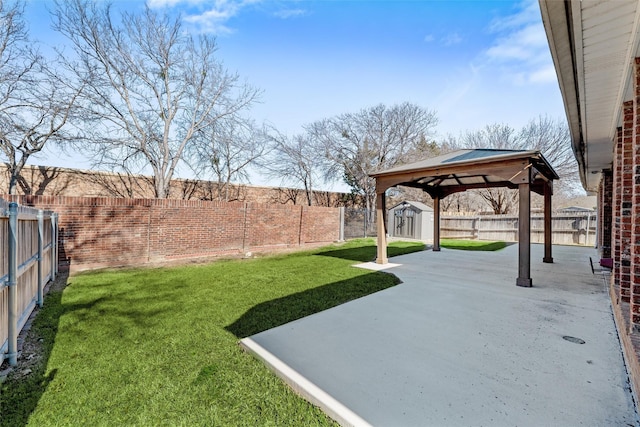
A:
(409, 219)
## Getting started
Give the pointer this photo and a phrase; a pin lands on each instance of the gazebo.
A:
(472, 169)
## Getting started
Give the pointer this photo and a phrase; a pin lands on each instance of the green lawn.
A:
(472, 245)
(159, 346)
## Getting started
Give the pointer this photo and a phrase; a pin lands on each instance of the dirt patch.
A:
(30, 346)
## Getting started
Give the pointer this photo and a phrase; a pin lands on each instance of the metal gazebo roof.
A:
(468, 169)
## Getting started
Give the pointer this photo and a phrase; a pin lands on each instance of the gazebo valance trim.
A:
(468, 157)
(470, 169)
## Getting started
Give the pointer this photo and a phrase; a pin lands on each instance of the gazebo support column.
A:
(436, 223)
(548, 258)
(380, 228)
(524, 237)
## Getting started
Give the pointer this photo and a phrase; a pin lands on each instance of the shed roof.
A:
(418, 205)
(468, 169)
(575, 209)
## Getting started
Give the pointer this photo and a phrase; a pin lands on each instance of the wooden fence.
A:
(28, 239)
(568, 228)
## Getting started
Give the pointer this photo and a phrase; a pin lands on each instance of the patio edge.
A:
(305, 388)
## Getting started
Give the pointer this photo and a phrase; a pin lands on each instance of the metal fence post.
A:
(12, 284)
(341, 232)
(40, 217)
(54, 246)
(475, 234)
(364, 222)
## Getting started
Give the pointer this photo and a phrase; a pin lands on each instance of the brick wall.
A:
(621, 186)
(626, 201)
(108, 232)
(53, 181)
(635, 200)
(606, 213)
(617, 207)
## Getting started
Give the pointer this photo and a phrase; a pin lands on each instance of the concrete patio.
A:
(458, 344)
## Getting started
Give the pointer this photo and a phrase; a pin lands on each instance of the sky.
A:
(474, 63)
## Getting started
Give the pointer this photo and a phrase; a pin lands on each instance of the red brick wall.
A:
(635, 185)
(626, 201)
(617, 207)
(317, 222)
(107, 232)
(625, 235)
(606, 213)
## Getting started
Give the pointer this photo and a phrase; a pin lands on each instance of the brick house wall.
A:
(626, 200)
(606, 203)
(99, 232)
(619, 213)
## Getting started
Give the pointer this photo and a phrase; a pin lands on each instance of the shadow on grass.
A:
(20, 393)
(368, 253)
(283, 310)
(474, 245)
(22, 390)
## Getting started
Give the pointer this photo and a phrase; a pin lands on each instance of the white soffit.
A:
(606, 34)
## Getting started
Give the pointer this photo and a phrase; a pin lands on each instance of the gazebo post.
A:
(548, 258)
(381, 230)
(524, 236)
(436, 223)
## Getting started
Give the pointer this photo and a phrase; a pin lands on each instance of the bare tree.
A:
(152, 88)
(550, 137)
(495, 136)
(296, 162)
(553, 140)
(372, 139)
(227, 150)
(35, 101)
(502, 200)
(499, 137)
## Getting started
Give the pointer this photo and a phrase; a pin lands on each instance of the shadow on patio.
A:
(458, 344)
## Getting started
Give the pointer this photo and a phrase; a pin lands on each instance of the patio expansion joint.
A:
(301, 385)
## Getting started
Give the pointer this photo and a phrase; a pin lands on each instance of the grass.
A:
(472, 245)
(153, 347)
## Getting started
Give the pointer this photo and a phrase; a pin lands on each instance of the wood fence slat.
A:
(27, 254)
(567, 228)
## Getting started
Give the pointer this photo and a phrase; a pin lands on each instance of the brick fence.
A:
(108, 232)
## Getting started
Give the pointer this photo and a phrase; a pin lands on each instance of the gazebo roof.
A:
(468, 169)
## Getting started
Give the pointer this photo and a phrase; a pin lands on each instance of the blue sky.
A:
(473, 62)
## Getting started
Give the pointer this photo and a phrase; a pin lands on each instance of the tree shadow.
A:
(37, 180)
(277, 312)
(478, 245)
(368, 253)
(21, 392)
